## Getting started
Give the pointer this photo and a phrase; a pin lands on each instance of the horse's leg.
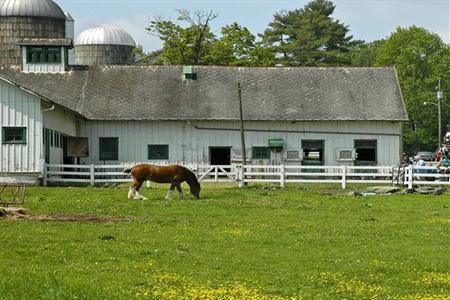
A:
(139, 196)
(169, 192)
(132, 191)
(180, 192)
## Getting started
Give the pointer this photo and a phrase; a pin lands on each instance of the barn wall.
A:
(62, 122)
(188, 144)
(20, 109)
(59, 120)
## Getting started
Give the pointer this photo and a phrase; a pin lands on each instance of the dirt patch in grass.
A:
(21, 213)
(78, 218)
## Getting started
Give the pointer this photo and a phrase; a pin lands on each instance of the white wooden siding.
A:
(188, 144)
(59, 120)
(20, 109)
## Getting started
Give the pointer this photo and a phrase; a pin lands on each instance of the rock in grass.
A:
(7, 212)
(3, 212)
(17, 211)
(428, 190)
(382, 190)
(354, 193)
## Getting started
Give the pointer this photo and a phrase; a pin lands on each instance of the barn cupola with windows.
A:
(34, 35)
(45, 55)
(104, 45)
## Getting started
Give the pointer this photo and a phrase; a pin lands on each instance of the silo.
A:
(27, 19)
(104, 45)
(70, 34)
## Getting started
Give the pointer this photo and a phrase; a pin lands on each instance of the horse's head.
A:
(195, 190)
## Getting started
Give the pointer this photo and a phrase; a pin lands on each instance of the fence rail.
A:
(277, 174)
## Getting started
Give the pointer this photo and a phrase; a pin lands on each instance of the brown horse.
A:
(175, 175)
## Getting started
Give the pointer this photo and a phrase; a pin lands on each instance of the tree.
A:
(184, 45)
(234, 47)
(237, 47)
(196, 44)
(309, 36)
(421, 58)
(365, 54)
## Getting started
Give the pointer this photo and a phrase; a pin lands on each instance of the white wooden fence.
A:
(277, 174)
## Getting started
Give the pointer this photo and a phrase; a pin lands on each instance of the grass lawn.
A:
(260, 242)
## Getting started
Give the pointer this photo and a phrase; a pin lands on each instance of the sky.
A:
(367, 19)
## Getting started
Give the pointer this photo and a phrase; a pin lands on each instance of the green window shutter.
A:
(260, 152)
(276, 143)
(109, 148)
(158, 152)
(14, 135)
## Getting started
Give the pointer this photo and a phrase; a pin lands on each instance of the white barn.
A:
(108, 112)
(310, 116)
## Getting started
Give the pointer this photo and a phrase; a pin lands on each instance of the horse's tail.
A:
(128, 171)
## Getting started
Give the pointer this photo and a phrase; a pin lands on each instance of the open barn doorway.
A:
(220, 156)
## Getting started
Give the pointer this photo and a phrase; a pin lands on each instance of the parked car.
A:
(425, 155)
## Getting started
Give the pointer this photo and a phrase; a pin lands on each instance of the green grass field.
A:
(260, 242)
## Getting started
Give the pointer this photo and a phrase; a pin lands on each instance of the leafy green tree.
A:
(237, 47)
(365, 54)
(234, 47)
(421, 58)
(184, 45)
(196, 44)
(309, 36)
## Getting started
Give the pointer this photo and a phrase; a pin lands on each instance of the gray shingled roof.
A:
(275, 93)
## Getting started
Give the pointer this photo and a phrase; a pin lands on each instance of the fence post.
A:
(92, 174)
(241, 176)
(282, 175)
(216, 174)
(344, 177)
(45, 180)
(410, 176)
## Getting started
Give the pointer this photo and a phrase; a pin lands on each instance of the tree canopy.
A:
(196, 44)
(309, 36)
(421, 59)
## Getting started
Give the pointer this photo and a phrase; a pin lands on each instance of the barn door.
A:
(366, 152)
(220, 156)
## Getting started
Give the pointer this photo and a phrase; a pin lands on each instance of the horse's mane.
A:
(190, 176)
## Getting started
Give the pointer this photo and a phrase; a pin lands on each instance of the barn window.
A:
(260, 152)
(158, 151)
(366, 152)
(109, 148)
(313, 151)
(39, 55)
(14, 135)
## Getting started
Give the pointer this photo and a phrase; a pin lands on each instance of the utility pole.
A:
(241, 121)
(439, 95)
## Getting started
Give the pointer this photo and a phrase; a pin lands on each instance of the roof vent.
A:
(188, 73)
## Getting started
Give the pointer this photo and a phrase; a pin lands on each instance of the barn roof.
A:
(273, 93)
